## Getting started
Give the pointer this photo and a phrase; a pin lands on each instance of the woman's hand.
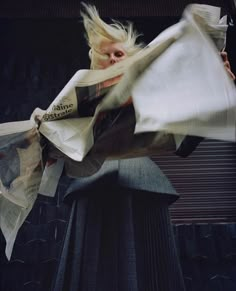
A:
(224, 56)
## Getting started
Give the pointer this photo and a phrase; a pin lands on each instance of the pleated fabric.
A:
(118, 239)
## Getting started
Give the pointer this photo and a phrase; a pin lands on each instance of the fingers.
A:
(224, 57)
(231, 74)
(227, 66)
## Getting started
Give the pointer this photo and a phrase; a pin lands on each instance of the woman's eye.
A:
(119, 54)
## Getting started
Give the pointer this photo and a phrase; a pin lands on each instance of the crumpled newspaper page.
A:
(20, 176)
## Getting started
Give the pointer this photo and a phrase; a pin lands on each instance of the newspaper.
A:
(201, 100)
(178, 86)
(20, 176)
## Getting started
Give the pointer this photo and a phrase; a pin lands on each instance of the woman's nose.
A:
(113, 60)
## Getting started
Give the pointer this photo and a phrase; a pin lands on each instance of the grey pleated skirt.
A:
(119, 236)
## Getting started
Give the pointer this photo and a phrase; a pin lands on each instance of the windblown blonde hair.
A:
(98, 31)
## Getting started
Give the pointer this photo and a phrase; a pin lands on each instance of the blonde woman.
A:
(119, 236)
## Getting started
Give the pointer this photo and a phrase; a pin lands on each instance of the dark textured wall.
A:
(121, 8)
(37, 58)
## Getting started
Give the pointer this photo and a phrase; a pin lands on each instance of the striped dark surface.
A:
(206, 181)
(121, 8)
(206, 250)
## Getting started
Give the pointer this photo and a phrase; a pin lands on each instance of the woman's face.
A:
(114, 53)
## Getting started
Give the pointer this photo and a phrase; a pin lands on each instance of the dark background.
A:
(41, 46)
